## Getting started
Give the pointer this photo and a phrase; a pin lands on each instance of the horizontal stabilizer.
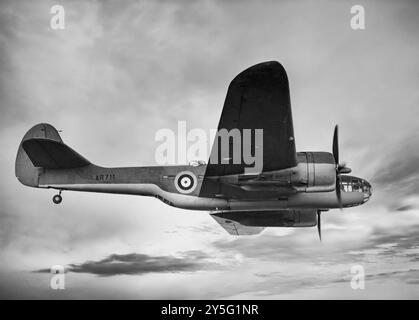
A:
(52, 154)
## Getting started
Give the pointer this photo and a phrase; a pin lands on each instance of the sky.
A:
(117, 73)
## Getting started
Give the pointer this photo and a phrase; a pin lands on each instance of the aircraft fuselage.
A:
(311, 184)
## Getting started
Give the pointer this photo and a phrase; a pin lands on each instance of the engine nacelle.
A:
(315, 172)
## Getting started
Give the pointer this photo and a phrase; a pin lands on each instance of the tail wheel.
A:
(57, 199)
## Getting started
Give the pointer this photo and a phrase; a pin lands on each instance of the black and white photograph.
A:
(211, 150)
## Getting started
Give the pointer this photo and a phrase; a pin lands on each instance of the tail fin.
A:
(42, 148)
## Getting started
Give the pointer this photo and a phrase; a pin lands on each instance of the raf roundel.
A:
(185, 182)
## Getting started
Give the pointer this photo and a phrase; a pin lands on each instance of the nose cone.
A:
(367, 190)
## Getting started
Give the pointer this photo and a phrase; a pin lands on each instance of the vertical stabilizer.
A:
(25, 171)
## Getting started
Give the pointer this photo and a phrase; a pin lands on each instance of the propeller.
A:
(336, 144)
(319, 226)
(341, 168)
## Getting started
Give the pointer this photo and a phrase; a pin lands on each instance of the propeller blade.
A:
(336, 145)
(339, 192)
(340, 168)
(319, 227)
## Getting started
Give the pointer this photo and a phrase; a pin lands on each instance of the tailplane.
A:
(42, 148)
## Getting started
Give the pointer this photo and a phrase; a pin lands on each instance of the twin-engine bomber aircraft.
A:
(291, 190)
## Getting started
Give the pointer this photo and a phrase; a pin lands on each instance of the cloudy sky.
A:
(118, 73)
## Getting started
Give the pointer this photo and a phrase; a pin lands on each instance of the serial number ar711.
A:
(104, 177)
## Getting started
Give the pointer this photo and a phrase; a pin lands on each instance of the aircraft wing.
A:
(235, 228)
(258, 98)
(244, 222)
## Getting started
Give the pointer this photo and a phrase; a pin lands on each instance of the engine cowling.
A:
(315, 172)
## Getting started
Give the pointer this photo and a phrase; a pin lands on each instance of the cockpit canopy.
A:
(196, 163)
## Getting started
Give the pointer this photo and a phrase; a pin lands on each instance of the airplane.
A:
(292, 188)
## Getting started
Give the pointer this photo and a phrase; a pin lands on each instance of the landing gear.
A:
(57, 198)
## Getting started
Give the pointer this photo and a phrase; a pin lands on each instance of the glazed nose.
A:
(367, 191)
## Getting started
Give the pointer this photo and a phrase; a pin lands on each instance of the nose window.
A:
(354, 184)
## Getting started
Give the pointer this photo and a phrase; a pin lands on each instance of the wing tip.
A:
(273, 67)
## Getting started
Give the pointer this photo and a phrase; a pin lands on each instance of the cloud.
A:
(405, 207)
(118, 73)
(301, 245)
(138, 264)
(398, 169)
(395, 171)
